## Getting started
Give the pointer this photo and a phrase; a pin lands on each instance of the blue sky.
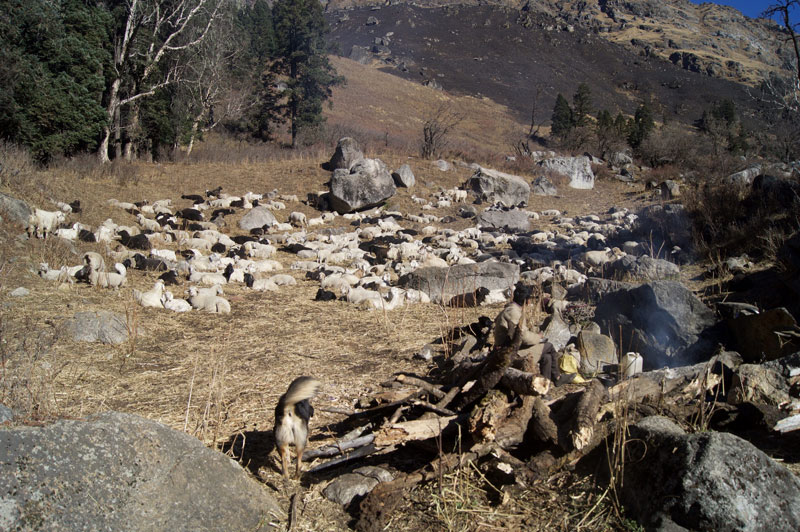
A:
(751, 8)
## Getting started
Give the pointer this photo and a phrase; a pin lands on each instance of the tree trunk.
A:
(111, 113)
(585, 415)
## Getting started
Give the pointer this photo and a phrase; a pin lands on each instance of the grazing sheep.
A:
(175, 305)
(208, 302)
(298, 219)
(151, 298)
(113, 280)
(147, 223)
(94, 261)
(41, 223)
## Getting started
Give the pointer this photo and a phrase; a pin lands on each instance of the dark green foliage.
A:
(581, 105)
(301, 58)
(52, 62)
(640, 126)
(562, 118)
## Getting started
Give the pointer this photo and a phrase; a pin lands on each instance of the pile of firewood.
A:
(502, 409)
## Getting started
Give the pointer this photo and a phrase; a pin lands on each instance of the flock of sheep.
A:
(360, 263)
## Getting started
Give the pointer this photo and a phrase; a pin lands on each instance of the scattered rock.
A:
(404, 177)
(360, 54)
(662, 320)
(512, 221)
(642, 268)
(6, 414)
(347, 153)
(706, 481)
(16, 210)
(620, 159)
(256, 218)
(443, 284)
(670, 189)
(443, 165)
(123, 472)
(597, 351)
(372, 21)
(367, 184)
(347, 487)
(766, 336)
(745, 177)
(101, 326)
(556, 331)
(544, 187)
(20, 292)
(493, 187)
(577, 169)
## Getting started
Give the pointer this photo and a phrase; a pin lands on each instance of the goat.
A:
(41, 223)
(151, 298)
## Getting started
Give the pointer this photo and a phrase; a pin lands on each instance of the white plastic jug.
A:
(631, 364)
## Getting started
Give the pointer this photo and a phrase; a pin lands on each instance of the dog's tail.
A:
(300, 389)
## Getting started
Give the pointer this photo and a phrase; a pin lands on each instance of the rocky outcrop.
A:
(462, 280)
(15, 210)
(511, 221)
(706, 481)
(544, 187)
(347, 153)
(367, 184)
(118, 471)
(257, 218)
(404, 177)
(577, 169)
(642, 268)
(662, 320)
(101, 326)
(491, 186)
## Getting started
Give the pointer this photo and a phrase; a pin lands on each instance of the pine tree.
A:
(581, 105)
(562, 118)
(301, 58)
(641, 125)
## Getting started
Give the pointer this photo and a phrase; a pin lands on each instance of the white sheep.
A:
(63, 275)
(113, 280)
(151, 298)
(283, 279)
(298, 219)
(41, 223)
(147, 223)
(175, 305)
(208, 302)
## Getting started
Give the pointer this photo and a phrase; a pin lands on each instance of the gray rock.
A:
(760, 384)
(443, 165)
(662, 320)
(20, 292)
(372, 21)
(544, 187)
(577, 169)
(378, 473)
(360, 54)
(404, 177)
(706, 481)
(347, 487)
(122, 472)
(256, 218)
(347, 153)
(642, 268)
(443, 284)
(367, 184)
(556, 331)
(670, 189)
(512, 221)
(492, 186)
(665, 226)
(745, 177)
(101, 326)
(6, 414)
(16, 210)
(620, 159)
(757, 336)
(467, 211)
(597, 352)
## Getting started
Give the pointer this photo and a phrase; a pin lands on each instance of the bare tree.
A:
(153, 34)
(436, 129)
(786, 94)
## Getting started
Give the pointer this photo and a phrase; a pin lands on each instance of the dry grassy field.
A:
(218, 377)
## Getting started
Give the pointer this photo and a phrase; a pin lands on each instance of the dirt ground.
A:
(218, 377)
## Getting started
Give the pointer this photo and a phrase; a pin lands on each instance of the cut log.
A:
(524, 383)
(418, 429)
(589, 404)
(338, 448)
(541, 423)
(788, 424)
(511, 431)
(428, 387)
(487, 415)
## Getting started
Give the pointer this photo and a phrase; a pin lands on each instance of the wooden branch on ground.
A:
(487, 415)
(511, 431)
(524, 383)
(418, 429)
(541, 423)
(428, 387)
(589, 404)
(338, 447)
(358, 453)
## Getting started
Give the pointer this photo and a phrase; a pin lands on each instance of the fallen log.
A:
(338, 447)
(418, 429)
(511, 431)
(428, 387)
(589, 404)
(541, 423)
(487, 416)
(524, 383)
(361, 452)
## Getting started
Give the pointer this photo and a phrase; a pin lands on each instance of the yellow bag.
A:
(568, 364)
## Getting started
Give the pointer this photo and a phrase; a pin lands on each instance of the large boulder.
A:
(347, 153)
(462, 280)
(511, 221)
(404, 177)
(766, 336)
(577, 169)
(118, 471)
(642, 268)
(744, 177)
(492, 186)
(367, 184)
(544, 187)
(664, 226)
(597, 352)
(256, 218)
(705, 481)
(101, 326)
(662, 320)
(15, 210)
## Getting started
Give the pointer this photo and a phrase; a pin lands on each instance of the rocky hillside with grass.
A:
(711, 39)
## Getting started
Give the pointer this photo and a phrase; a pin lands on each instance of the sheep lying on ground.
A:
(105, 279)
(175, 305)
(151, 298)
(208, 302)
(41, 223)
(65, 274)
